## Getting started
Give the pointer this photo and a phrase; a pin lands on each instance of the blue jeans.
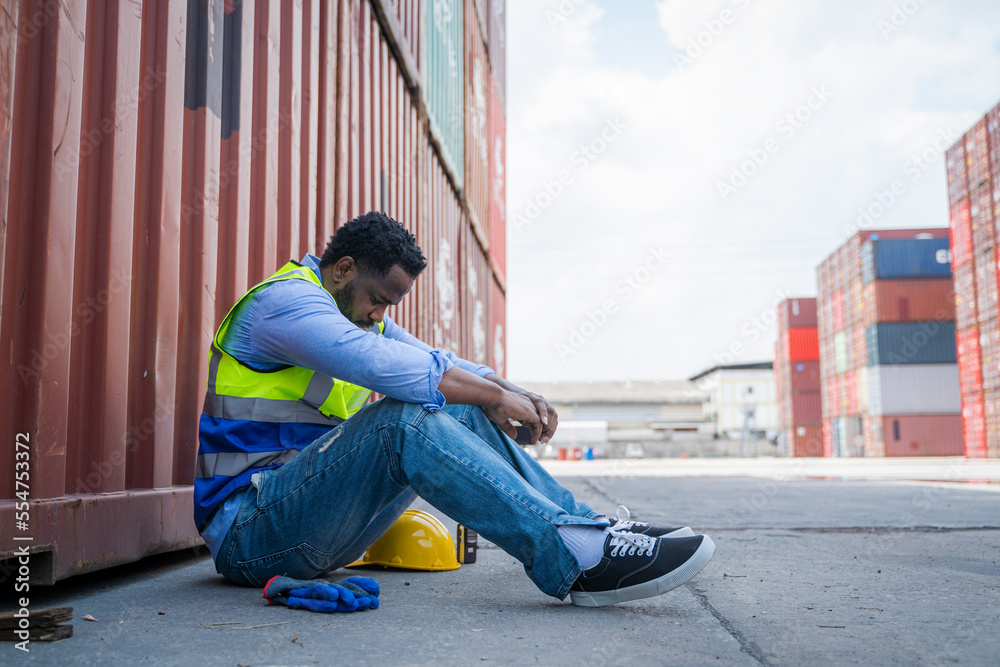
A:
(325, 507)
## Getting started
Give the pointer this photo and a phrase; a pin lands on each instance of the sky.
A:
(676, 168)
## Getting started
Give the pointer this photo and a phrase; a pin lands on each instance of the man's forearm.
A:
(464, 388)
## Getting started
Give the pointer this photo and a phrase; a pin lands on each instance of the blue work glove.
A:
(346, 595)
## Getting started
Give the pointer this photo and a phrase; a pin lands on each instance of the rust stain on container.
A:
(153, 166)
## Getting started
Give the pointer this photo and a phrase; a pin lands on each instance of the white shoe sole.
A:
(681, 532)
(654, 587)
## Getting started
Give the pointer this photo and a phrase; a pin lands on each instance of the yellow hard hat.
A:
(416, 541)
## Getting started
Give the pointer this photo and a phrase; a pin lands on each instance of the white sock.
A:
(586, 543)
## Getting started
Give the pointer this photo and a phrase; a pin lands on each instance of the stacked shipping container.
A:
(887, 346)
(797, 378)
(155, 164)
(973, 165)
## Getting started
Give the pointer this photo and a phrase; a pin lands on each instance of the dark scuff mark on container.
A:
(203, 47)
(232, 66)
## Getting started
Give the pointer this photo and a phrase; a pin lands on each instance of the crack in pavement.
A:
(746, 646)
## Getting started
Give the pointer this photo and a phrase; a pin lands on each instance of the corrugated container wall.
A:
(477, 127)
(973, 165)
(157, 163)
(901, 259)
(498, 186)
(444, 81)
(498, 46)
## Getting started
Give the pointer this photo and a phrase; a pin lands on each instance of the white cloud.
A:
(656, 183)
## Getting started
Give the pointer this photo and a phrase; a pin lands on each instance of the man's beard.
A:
(345, 300)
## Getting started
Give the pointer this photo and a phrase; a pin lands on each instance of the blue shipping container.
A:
(911, 343)
(905, 258)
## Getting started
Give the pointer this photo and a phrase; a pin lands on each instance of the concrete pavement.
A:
(807, 570)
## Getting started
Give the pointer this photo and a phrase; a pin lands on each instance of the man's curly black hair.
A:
(376, 242)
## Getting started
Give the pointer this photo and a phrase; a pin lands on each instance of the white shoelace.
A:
(624, 543)
(623, 523)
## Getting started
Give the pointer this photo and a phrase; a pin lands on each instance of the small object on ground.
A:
(345, 595)
(831, 626)
(468, 542)
(88, 617)
(44, 625)
(222, 626)
(162, 613)
(416, 541)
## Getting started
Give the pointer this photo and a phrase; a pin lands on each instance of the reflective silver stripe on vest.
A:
(318, 390)
(265, 410)
(231, 464)
(213, 367)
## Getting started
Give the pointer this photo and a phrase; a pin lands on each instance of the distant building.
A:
(736, 391)
(646, 411)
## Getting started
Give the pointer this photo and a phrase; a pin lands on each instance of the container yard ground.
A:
(866, 566)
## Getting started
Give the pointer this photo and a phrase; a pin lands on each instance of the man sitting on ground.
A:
(297, 476)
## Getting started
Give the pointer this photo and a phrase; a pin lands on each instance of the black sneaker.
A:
(619, 523)
(638, 566)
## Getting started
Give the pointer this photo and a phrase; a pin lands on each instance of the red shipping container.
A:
(969, 370)
(498, 330)
(497, 28)
(804, 376)
(827, 438)
(802, 344)
(827, 358)
(961, 234)
(806, 409)
(977, 154)
(872, 433)
(860, 347)
(993, 129)
(974, 425)
(996, 201)
(991, 415)
(855, 306)
(838, 311)
(833, 396)
(965, 296)
(986, 285)
(981, 214)
(851, 392)
(958, 185)
(909, 300)
(922, 435)
(842, 396)
(477, 125)
(794, 313)
(989, 353)
(807, 441)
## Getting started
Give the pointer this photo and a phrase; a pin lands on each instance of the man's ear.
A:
(344, 269)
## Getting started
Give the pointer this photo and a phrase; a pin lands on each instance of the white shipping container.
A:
(914, 389)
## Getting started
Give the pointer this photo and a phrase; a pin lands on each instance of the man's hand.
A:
(516, 407)
(546, 413)
(500, 403)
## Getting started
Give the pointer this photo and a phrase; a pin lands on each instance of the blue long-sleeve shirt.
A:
(291, 322)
